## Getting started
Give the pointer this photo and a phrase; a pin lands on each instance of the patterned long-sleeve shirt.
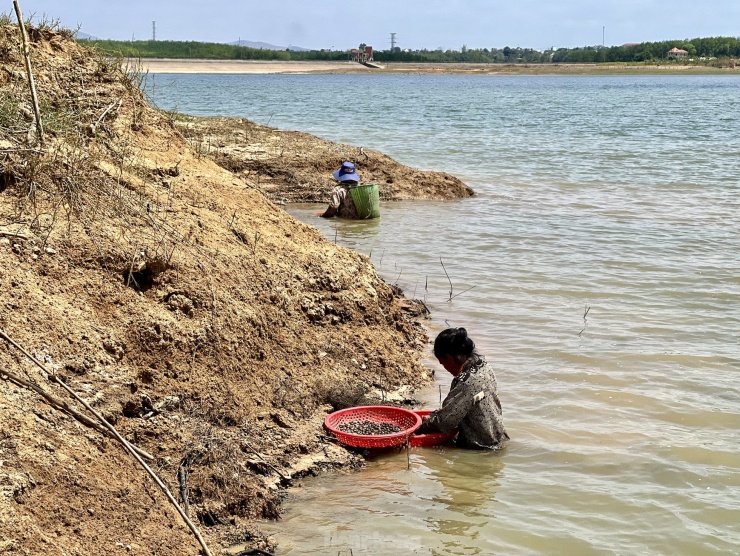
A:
(477, 417)
(341, 201)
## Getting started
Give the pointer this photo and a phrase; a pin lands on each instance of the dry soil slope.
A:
(200, 318)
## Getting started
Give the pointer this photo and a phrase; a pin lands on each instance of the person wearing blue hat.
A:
(341, 203)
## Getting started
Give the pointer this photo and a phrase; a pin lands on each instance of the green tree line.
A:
(465, 54)
(700, 48)
(207, 50)
(712, 47)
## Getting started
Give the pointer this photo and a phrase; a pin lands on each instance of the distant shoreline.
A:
(158, 65)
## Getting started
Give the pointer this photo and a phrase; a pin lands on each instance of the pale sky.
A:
(343, 24)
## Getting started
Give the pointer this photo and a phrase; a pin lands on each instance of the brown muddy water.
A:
(617, 365)
(598, 270)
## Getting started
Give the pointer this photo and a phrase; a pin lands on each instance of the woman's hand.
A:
(427, 426)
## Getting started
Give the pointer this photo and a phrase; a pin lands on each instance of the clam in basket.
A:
(406, 420)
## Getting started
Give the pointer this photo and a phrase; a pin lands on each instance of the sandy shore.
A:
(156, 65)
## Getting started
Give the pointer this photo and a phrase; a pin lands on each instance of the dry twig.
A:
(182, 477)
(31, 82)
(61, 405)
(448, 277)
(12, 233)
(94, 127)
(125, 443)
(268, 464)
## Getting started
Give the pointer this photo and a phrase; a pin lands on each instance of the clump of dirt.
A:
(203, 321)
(291, 166)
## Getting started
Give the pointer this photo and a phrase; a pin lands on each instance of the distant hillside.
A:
(79, 35)
(268, 46)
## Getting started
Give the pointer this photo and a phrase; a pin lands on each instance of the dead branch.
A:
(125, 443)
(182, 477)
(426, 309)
(11, 233)
(448, 277)
(31, 82)
(263, 460)
(586, 309)
(462, 292)
(94, 127)
(62, 406)
(8, 151)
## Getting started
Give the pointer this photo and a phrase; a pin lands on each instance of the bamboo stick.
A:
(125, 443)
(63, 406)
(31, 82)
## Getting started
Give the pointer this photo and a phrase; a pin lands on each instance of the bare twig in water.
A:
(586, 309)
(448, 277)
(462, 292)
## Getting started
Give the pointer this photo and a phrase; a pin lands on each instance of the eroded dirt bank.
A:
(210, 327)
(296, 167)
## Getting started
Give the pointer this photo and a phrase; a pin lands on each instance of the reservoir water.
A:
(597, 269)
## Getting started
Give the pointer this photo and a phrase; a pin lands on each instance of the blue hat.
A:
(346, 173)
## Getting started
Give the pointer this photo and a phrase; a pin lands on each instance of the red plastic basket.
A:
(431, 439)
(407, 420)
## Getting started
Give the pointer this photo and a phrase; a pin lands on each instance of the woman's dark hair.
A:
(453, 342)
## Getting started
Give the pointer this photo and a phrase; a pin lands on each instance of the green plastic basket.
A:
(367, 200)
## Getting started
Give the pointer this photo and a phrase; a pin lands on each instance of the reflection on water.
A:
(432, 508)
(597, 270)
(467, 499)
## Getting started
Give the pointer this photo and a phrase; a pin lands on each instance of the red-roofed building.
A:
(362, 56)
(677, 53)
